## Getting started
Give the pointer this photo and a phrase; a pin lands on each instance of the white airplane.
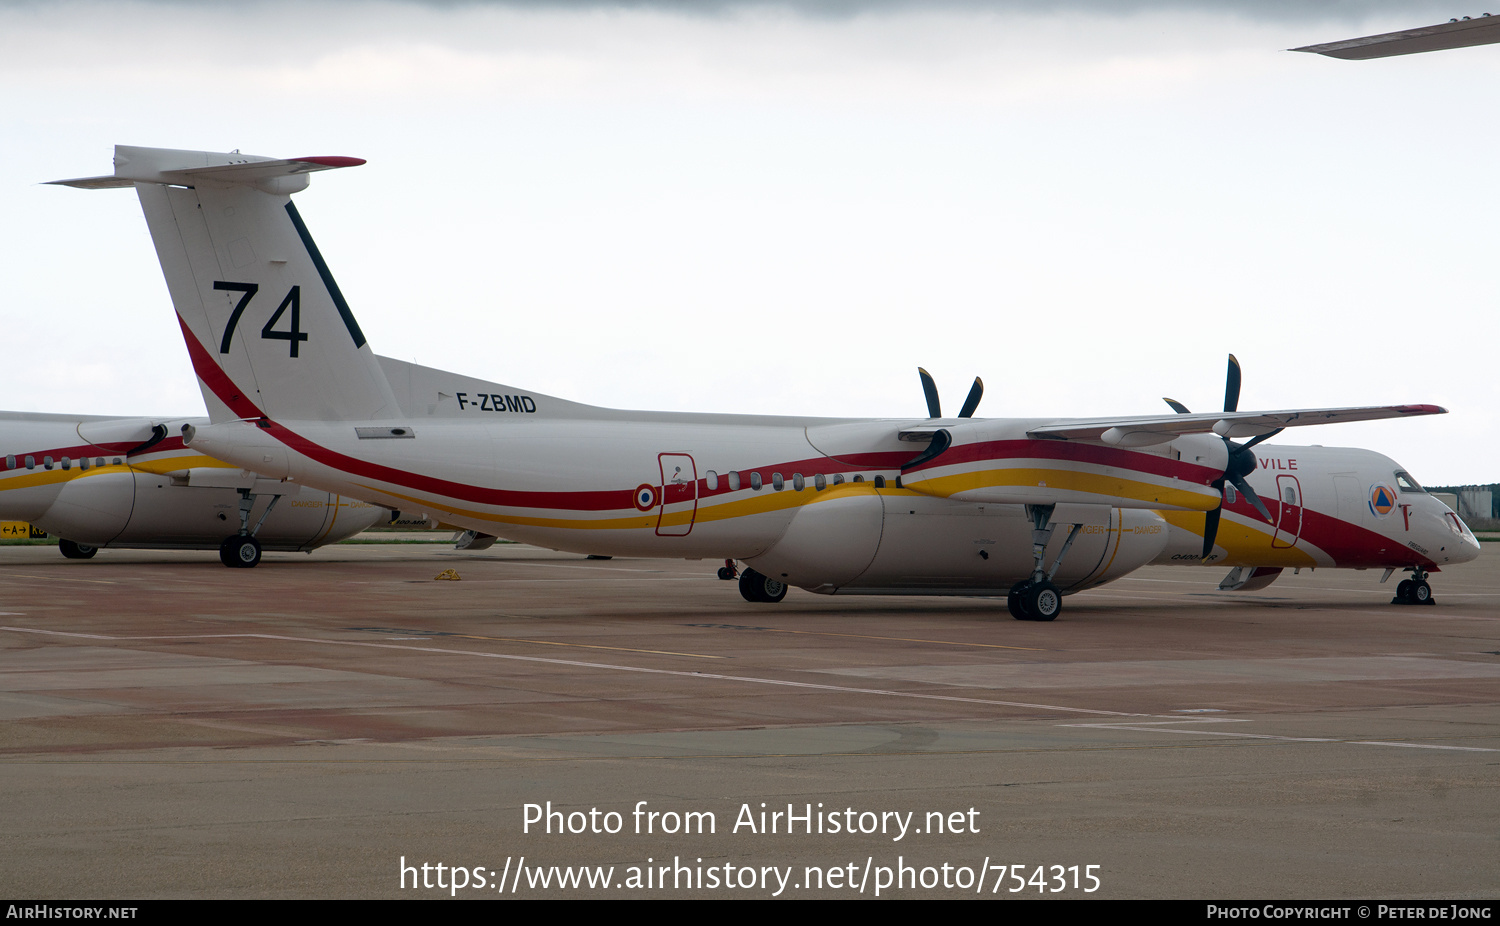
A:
(95, 482)
(937, 506)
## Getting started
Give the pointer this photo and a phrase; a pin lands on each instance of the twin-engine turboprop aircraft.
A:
(98, 482)
(932, 506)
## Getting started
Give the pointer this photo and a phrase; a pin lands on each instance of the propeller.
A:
(1241, 460)
(935, 409)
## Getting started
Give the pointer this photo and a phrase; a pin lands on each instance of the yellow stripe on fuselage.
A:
(164, 465)
(1240, 541)
(1201, 499)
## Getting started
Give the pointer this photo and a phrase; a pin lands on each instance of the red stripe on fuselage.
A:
(218, 381)
(1349, 544)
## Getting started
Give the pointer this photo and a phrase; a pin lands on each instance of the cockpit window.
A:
(1405, 483)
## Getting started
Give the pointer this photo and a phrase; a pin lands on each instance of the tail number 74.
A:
(247, 291)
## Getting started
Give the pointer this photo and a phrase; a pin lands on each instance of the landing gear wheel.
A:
(240, 552)
(73, 550)
(1042, 601)
(761, 589)
(1403, 592)
(725, 574)
(1419, 593)
(1034, 601)
(1013, 603)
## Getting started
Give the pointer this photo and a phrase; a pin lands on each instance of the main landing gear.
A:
(761, 589)
(242, 551)
(73, 550)
(1037, 599)
(1414, 590)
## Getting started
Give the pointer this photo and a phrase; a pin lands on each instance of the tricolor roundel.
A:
(1382, 500)
(645, 497)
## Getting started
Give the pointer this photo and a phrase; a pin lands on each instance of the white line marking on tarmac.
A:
(604, 665)
(1161, 727)
(1142, 726)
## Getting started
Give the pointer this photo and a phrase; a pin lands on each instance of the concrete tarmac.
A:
(326, 725)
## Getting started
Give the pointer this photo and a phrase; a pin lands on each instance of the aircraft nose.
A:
(1458, 544)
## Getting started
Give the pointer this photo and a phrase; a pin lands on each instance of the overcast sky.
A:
(753, 207)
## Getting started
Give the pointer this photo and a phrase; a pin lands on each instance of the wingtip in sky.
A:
(1456, 33)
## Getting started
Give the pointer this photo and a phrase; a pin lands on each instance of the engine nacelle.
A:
(244, 444)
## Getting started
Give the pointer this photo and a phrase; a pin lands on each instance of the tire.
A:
(1403, 589)
(73, 550)
(772, 590)
(1013, 602)
(240, 552)
(761, 589)
(724, 573)
(1042, 601)
(1420, 593)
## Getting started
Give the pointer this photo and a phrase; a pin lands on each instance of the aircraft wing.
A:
(1458, 33)
(1155, 429)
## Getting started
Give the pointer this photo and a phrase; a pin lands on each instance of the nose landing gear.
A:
(1414, 590)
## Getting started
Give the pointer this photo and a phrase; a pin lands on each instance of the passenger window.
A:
(47, 462)
(31, 462)
(838, 479)
(755, 481)
(859, 477)
(10, 462)
(820, 482)
(713, 481)
(83, 463)
(734, 482)
(879, 482)
(67, 463)
(777, 482)
(797, 482)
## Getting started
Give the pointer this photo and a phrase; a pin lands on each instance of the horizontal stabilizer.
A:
(1140, 430)
(186, 168)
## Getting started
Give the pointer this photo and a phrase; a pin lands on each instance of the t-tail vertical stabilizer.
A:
(269, 333)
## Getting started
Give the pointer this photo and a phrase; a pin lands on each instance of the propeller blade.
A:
(1210, 531)
(976, 392)
(1232, 386)
(941, 440)
(1177, 406)
(929, 389)
(1244, 489)
(1260, 437)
